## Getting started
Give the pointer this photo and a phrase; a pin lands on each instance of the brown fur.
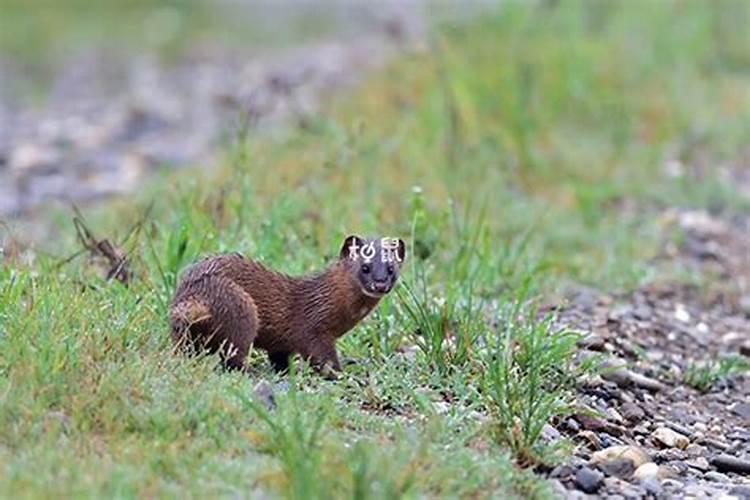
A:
(228, 303)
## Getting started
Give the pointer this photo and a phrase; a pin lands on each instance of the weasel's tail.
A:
(215, 314)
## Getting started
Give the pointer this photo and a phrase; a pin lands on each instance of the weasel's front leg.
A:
(323, 357)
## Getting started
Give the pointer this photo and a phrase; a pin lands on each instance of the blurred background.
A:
(93, 95)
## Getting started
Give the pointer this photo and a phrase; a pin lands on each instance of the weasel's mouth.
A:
(373, 293)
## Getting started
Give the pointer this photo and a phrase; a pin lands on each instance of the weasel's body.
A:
(228, 303)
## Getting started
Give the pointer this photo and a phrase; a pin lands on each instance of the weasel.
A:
(228, 303)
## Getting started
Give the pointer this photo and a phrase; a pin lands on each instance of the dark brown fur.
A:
(228, 303)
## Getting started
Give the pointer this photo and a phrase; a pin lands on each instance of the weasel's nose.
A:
(381, 286)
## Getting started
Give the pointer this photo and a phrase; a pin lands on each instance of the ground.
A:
(573, 318)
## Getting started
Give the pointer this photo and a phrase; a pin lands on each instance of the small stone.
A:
(562, 471)
(716, 477)
(572, 425)
(681, 314)
(672, 484)
(645, 382)
(670, 438)
(745, 349)
(632, 412)
(591, 437)
(699, 463)
(681, 429)
(263, 392)
(741, 491)
(615, 370)
(652, 487)
(592, 342)
(741, 409)
(648, 470)
(695, 450)
(670, 455)
(549, 434)
(621, 467)
(637, 456)
(716, 443)
(614, 416)
(588, 480)
(728, 463)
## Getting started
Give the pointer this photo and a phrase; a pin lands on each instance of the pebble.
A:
(699, 463)
(678, 428)
(588, 480)
(648, 470)
(716, 477)
(741, 491)
(741, 409)
(614, 416)
(263, 392)
(632, 412)
(634, 454)
(652, 487)
(550, 434)
(645, 382)
(670, 438)
(695, 450)
(728, 463)
(621, 467)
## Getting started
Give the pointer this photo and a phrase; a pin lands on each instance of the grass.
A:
(706, 375)
(521, 154)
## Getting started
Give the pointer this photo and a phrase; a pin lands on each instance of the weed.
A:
(704, 376)
(527, 378)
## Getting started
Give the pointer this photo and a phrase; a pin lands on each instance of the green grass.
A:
(703, 376)
(521, 154)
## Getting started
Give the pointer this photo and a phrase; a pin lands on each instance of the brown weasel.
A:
(228, 303)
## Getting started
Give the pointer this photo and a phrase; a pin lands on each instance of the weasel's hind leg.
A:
(214, 314)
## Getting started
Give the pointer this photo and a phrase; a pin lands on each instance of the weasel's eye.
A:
(366, 269)
(390, 269)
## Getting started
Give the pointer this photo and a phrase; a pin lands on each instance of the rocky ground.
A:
(667, 418)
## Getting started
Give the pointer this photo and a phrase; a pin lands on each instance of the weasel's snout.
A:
(381, 287)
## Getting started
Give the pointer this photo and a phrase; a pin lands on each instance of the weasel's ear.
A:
(401, 250)
(351, 247)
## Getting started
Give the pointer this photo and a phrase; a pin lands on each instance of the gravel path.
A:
(642, 430)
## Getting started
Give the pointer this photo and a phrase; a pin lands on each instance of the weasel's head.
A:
(373, 262)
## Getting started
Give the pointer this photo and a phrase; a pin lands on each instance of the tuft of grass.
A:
(527, 378)
(703, 376)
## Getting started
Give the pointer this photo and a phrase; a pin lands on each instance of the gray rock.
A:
(698, 463)
(670, 438)
(645, 382)
(621, 467)
(649, 470)
(652, 487)
(634, 454)
(728, 463)
(741, 409)
(549, 434)
(588, 480)
(263, 393)
(632, 412)
(716, 477)
(741, 491)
